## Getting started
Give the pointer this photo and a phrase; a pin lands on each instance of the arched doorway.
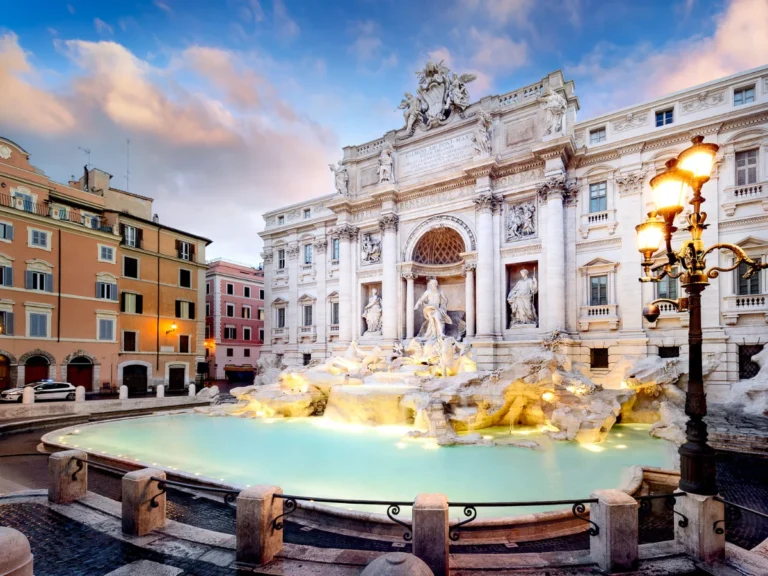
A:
(36, 369)
(80, 372)
(135, 378)
(5, 373)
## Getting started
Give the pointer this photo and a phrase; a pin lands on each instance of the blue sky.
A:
(237, 106)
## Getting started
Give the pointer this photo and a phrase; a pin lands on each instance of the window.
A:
(230, 333)
(129, 341)
(28, 201)
(38, 238)
(261, 294)
(334, 313)
(183, 344)
(307, 253)
(246, 333)
(39, 281)
(281, 317)
(185, 278)
(207, 308)
(106, 291)
(247, 291)
(596, 136)
(307, 315)
(261, 334)
(6, 323)
(669, 351)
(667, 288)
(130, 267)
(207, 332)
(230, 289)
(598, 357)
(131, 236)
(597, 197)
(750, 285)
(6, 231)
(281, 259)
(744, 95)
(131, 303)
(598, 290)
(306, 358)
(748, 368)
(38, 325)
(335, 249)
(185, 310)
(230, 310)
(664, 117)
(207, 353)
(247, 352)
(185, 250)
(746, 167)
(207, 288)
(246, 312)
(6, 276)
(307, 213)
(106, 329)
(106, 254)
(260, 314)
(230, 352)
(280, 220)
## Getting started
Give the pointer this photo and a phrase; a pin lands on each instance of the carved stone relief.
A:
(630, 121)
(521, 220)
(370, 248)
(519, 132)
(631, 183)
(702, 101)
(5, 152)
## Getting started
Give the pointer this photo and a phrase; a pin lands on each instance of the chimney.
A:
(156, 219)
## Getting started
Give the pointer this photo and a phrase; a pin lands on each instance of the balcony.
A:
(306, 332)
(743, 195)
(595, 220)
(67, 214)
(735, 306)
(669, 312)
(333, 328)
(605, 313)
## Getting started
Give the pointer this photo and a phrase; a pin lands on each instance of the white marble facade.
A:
(473, 194)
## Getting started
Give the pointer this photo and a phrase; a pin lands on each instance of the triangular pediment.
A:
(279, 301)
(333, 295)
(752, 242)
(306, 298)
(599, 262)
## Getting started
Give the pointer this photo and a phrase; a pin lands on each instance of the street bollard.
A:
(67, 476)
(258, 542)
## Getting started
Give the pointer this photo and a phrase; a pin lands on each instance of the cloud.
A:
(501, 12)
(211, 139)
(488, 51)
(286, 26)
(611, 76)
(102, 27)
(368, 47)
(71, 8)
(163, 6)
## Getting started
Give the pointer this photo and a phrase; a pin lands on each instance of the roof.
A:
(131, 194)
(159, 225)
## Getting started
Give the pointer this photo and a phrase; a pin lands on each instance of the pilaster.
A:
(388, 224)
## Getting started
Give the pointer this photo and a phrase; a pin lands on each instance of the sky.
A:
(236, 107)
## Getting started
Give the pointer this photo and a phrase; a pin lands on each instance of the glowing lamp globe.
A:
(668, 189)
(698, 159)
(649, 236)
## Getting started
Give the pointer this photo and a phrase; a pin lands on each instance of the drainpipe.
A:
(58, 312)
(157, 361)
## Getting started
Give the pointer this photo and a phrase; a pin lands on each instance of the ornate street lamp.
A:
(693, 168)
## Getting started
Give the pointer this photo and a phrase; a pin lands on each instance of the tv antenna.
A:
(127, 164)
(88, 153)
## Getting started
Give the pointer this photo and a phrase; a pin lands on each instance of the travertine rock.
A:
(272, 400)
(208, 392)
(671, 424)
(752, 394)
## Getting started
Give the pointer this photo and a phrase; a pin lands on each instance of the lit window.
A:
(744, 95)
(597, 136)
(598, 201)
(664, 117)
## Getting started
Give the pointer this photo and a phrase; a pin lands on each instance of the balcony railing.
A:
(747, 194)
(334, 328)
(600, 313)
(602, 219)
(735, 306)
(306, 331)
(72, 215)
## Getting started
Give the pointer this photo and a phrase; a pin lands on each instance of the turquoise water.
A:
(310, 456)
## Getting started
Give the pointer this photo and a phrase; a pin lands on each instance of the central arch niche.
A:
(439, 246)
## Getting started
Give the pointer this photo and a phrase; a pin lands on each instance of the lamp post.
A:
(693, 167)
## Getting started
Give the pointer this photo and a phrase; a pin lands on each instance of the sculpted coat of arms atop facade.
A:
(440, 93)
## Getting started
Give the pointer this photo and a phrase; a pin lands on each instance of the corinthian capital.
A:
(321, 245)
(485, 201)
(556, 186)
(388, 222)
(631, 183)
(267, 255)
(346, 231)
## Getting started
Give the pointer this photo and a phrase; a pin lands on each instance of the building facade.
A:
(91, 282)
(234, 327)
(526, 218)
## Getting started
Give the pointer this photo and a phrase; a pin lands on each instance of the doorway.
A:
(36, 369)
(176, 378)
(135, 378)
(80, 372)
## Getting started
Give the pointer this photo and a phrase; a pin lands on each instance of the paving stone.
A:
(145, 568)
(218, 557)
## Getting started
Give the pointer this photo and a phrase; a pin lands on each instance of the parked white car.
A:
(46, 390)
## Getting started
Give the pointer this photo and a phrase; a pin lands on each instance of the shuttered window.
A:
(6, 275)
(131, 303)
(130, 267)
(184, 344)
(129, 342)
(6, 323)
(185, 310)
(39, 281)
(106, 329)
(106, 291)
(6, 231)
(38, 325)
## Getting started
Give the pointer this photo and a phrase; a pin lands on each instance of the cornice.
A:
(742, 221)
(595, 244)
(521, 250)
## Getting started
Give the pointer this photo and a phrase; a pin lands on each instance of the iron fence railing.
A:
(733, 512)
(669, 501)
(65, 214)
(163, 484)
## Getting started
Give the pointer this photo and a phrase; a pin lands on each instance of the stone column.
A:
(630, 213)
(615, 547)
(140, 517)
(484, 203)
(292, 316)
(699, 538)
(431, 532)
(409, 304)
(268, 256)
(321, 306)
(388, 225)
(552, 192)
(346, 233)
(498, 282)
(62, 488)
(469, 297)
(257, 540)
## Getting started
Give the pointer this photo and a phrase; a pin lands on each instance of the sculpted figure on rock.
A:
(554, 106)
(341, 178)
(435, 310)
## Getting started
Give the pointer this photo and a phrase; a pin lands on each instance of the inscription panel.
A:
(432, 156)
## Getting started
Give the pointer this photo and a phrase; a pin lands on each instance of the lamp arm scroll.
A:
(741, 256)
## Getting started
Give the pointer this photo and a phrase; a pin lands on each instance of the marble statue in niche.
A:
(481, 137)
(554, 106)
(341, 178)
(521, 301)
(385, 164)
(435, 310)
(372, 313)
(371, 248)
(521, 221)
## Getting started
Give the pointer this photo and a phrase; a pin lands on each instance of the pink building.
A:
(234, 319)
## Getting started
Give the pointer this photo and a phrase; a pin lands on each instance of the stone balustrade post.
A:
(140, 514)
(123, 392)
(66, 481)
(615, 547)
(699, 538)
(431, 532)
(15, 553)
(28, 395)
(192, 390)
(80, 394)
(160, 391)
(257, 540)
